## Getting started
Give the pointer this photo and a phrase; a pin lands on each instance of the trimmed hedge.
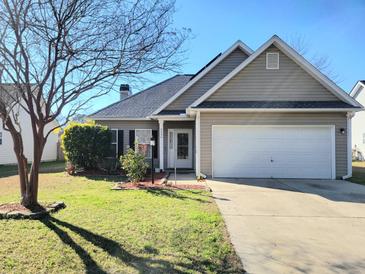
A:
(86, 144)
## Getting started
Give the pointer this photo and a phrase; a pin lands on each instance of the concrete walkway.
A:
(294, 226)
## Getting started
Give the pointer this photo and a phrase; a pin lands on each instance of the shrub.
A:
(110, 165)
(85, 145)
(134, 165)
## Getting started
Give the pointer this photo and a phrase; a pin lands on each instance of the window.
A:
(142, 140)
(182, 146)
(272, 60)
(114, 143)
(363, 138)
(1, 138)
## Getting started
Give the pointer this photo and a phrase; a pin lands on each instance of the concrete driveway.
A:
(294, 226)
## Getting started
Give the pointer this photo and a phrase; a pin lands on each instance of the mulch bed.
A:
(17, 211)
(160, 183)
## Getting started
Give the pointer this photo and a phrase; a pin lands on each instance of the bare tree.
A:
(320, 61)
(58, 55)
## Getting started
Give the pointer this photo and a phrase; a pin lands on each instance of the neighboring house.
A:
(264, 113)
(358, 123)
(7, 154)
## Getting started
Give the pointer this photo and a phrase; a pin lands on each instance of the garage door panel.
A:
(282, 152)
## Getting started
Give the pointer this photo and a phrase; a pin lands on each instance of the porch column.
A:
(197, 144)
(161, 144)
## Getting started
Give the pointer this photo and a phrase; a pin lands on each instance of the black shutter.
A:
(155, 148)
(120, 142)
(131, 139)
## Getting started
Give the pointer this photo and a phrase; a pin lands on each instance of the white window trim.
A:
(135, 139)
(116, 141)
(267, 59)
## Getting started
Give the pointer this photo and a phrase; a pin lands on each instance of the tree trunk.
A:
(29, 197)
(34, 171)
(28, 182)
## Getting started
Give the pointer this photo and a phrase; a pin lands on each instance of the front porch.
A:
(178, 151)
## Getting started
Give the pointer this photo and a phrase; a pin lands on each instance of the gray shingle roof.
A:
(274, 104)
(144, 103)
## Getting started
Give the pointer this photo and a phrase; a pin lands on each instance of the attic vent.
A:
(272, 60)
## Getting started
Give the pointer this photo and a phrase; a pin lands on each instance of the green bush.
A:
(85, 145)
(134, 165)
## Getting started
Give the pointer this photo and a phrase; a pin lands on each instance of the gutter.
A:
(274, 109)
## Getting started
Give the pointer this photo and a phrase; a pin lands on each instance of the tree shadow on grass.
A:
(176, 195)
(113, 248)
(90, 265)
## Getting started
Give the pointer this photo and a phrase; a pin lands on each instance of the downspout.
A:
(349, 146)
(197, 144)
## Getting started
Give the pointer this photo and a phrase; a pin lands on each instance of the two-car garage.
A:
(275, 151)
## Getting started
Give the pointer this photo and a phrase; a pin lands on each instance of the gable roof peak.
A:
(242, 46)
(297, 58)
(219, 58)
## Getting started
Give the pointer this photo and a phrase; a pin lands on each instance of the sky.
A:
(331, 28)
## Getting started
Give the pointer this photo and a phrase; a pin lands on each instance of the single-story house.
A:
(358, 122)
(267, 113)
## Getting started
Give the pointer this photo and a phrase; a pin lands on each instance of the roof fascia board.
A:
(308, 67)
(238, 44)
(273, 109)
(118, 119)
(172, 117)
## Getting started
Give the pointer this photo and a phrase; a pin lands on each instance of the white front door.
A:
(180, 148)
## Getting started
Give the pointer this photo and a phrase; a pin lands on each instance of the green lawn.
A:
(358, 173)
(54, 166)
(104, 231)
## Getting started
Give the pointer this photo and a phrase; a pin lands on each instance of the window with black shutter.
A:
(131, 139)
(120, 142)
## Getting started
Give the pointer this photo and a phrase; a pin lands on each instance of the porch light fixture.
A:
(342, 130)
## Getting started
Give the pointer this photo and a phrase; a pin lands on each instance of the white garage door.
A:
(273, 152)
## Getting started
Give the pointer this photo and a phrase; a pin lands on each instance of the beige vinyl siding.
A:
(174, 125)
(126, 126)
(208, 80)
(288, 83)
(209, 119)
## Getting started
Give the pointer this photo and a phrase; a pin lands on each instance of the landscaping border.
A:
(15, 214)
